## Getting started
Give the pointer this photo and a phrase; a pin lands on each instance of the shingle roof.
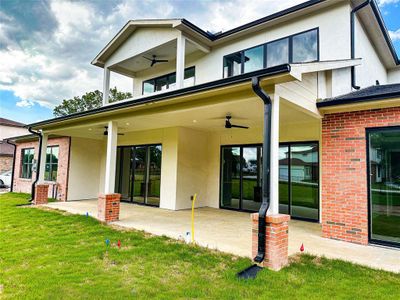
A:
(376, 92)
(7, 122)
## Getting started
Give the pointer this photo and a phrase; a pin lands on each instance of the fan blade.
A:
(161, 60)
(121, 133)
(239, 126)
(148, 58)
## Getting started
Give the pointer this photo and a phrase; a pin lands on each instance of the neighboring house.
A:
(56, 165)
(334, 82)
(8, 129)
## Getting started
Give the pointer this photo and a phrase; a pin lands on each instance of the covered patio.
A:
(230, 231)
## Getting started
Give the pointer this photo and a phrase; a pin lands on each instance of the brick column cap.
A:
(114, 195)
(278, 218)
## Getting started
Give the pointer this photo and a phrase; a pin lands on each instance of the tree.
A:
(87, 101)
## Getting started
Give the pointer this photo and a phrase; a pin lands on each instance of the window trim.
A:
(166, 76)
(290, 51)
(22, 163)
(51, 163)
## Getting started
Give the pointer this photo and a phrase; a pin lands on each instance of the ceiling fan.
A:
(229, 125)
(106, 131)
(154, 60)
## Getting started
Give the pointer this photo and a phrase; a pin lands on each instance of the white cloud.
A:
(25, 103)
(47, 66)
(395, 35)
(386, 2)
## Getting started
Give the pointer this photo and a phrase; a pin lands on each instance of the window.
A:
(233, 64)
(305, 47)
(27, 162)
(168, 81)
(254, 59)
(51, 168)
(278, 53)
(297, 48)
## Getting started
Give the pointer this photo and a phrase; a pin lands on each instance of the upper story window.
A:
(297, 48)
(27, 162)
(51, 163)
(168, 81)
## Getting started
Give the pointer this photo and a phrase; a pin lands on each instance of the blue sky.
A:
(46, 45)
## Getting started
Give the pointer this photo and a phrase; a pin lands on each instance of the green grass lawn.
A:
(53, 255)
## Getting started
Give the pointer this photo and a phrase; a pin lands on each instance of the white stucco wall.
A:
(84, 169)
(394, 75)
(140, 41)
(372, 68)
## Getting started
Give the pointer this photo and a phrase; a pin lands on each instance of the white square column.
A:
(42, 164)
(274, 167)
(111, 158)
(106, 85)
(180, 61)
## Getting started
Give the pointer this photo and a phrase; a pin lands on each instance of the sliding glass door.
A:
(384, 185)
(138, 174)
(299, 180)
(241, 179)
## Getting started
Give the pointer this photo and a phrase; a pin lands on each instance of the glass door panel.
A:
(251, 178)
(384, 184)
(230, 188)
(123, 172)
(304, 181)
(284, 159)
(139, 174)
(154, 176)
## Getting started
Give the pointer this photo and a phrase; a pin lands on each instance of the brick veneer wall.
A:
(5, 163)
(276, 240)
(24, 185)
(344, 171)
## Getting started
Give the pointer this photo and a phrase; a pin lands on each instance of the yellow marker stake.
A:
(193, 201)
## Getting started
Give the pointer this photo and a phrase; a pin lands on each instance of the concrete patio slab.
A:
(230, 231)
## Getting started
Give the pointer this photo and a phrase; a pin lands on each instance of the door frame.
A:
(369, 216)
(132, 173)
(289, 192)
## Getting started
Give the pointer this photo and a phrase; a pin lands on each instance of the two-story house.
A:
(277, 116)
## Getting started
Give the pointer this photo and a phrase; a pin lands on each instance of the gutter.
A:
(344, 101)
(37, 133)
(352, 40)
(262, 213)
(13, 168)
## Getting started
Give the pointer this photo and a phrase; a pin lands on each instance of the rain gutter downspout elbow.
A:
(13, 166)
(262, 213)
(37, 133)
(352, 40)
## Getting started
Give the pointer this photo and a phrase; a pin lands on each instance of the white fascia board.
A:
(302, 68)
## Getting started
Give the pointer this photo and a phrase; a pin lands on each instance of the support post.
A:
(106, 85)
(111, 158)
(42, 164)
(180, 61)
(274, 165)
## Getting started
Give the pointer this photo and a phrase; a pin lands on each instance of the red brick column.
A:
(41, 194)
(344, 188)
(108, 207)
(276, 242)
